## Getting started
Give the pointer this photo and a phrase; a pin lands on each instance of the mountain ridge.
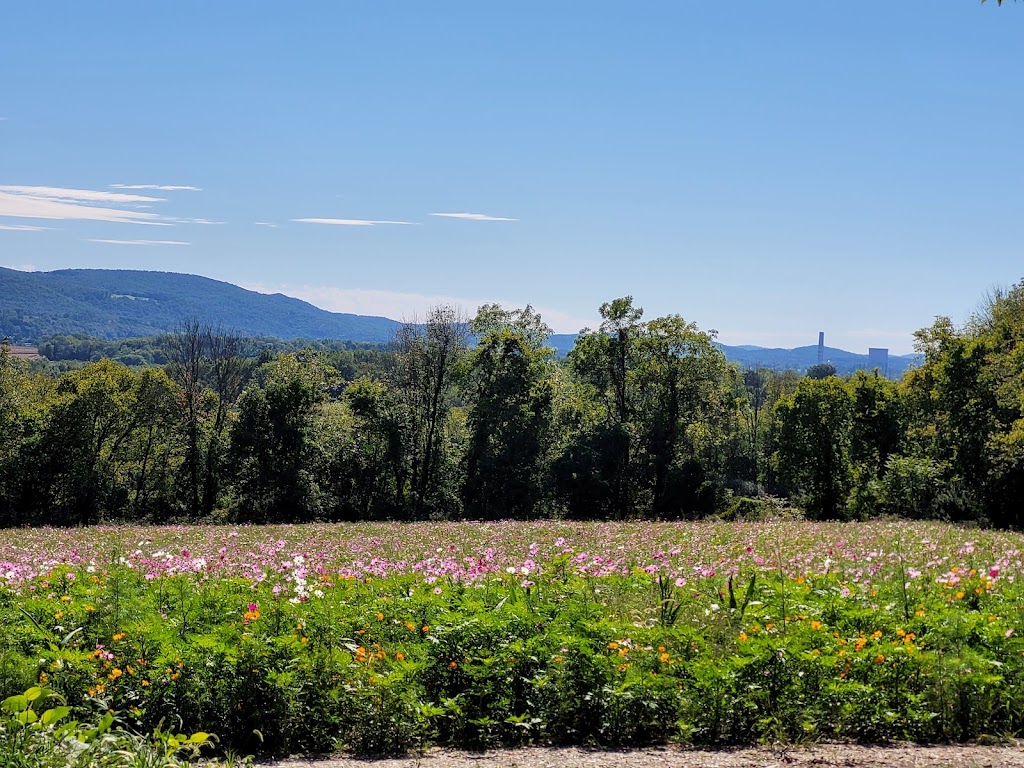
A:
(120, 303)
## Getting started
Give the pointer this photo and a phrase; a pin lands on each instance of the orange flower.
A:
(879, 659)
(743, 638)
(453, 665)
(400, 656)
(380, 616)
(815, 625)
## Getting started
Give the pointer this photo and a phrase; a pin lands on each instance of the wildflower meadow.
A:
(379, 638)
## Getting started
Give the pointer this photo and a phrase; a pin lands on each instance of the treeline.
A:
(643, 419)
(70, 351)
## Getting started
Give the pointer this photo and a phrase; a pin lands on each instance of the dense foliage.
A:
(480, 420)
(382, 637)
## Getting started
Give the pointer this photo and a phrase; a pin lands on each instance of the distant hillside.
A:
(117, 304)
(801, 358)
(120, 304)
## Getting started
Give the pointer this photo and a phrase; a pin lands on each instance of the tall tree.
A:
(509, 396)
(603, 359)
(813, 453)
(426, 366)
(271, 441)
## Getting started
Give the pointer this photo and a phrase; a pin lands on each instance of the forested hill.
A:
(117, 304)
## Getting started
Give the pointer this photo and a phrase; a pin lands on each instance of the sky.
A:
(764, 169)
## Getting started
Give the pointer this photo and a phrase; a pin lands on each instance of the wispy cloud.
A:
(400, 305)
(162, 187)
(77, 195)
(267, 224)
(139, 242)
(473, 216)
(22, 228)
(351, 222)
(30, 202)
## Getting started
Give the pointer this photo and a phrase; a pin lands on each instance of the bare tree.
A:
(184, 350)
(226, 375)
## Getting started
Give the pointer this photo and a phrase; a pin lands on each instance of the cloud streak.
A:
(473, 216)
(60, 203)
(139, 242)
(351, 222)
(161, 187)
(22, 228)
(267, 224)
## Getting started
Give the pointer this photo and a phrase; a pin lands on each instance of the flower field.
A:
(383, 637)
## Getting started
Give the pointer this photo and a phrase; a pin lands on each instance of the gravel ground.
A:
(819, 756)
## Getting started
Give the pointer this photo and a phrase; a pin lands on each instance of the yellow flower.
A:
(380, 616)
(877, 634)
(879, 659)
(613, 645)
(400, 656)
(119, 636)
(743, 637)
(960, 595)
(815, 625)
(664, 657)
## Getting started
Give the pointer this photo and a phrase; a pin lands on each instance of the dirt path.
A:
(820, 756)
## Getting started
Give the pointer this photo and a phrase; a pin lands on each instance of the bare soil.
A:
(818, 756)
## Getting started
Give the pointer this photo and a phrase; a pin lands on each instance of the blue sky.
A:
(765, 169)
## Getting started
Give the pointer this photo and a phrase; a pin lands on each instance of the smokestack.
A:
(821, 347)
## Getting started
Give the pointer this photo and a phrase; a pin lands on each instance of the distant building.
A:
(821, 347)
(878, 357)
